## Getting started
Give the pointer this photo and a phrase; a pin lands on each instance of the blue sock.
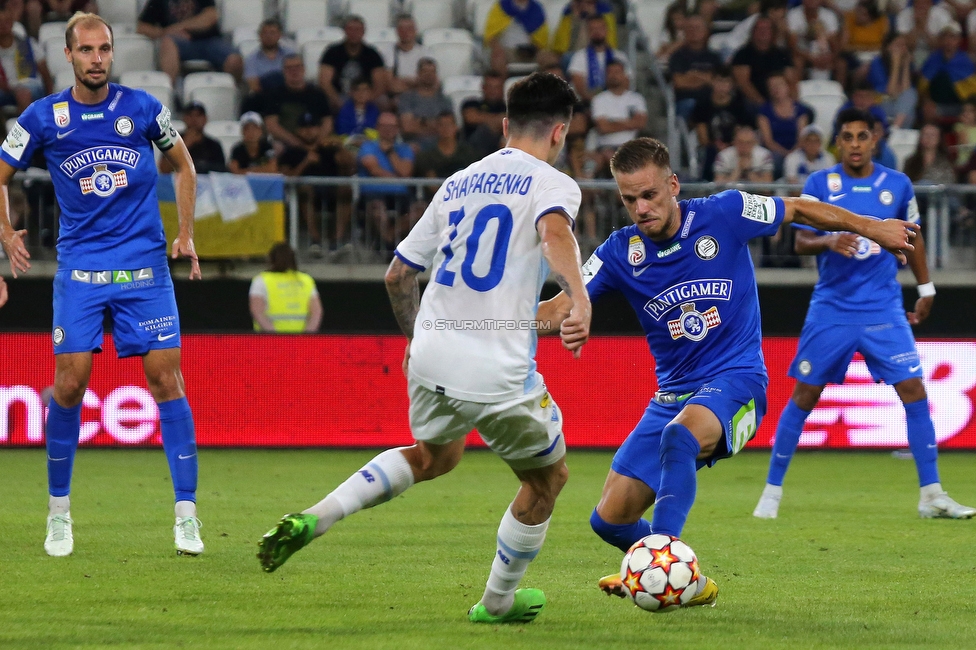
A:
(622, 536)
(678, 482)
(921, 440)
(63, 429)
(176, 422)
(788, 432)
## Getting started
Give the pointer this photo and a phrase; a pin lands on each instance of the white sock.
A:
(186, 509)
(381, 479)
(518, 544)
(930, 491)
(775, 491)
(58, 505)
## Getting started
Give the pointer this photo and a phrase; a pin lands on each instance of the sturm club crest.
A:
(886, 197)
(124, 126)
(58, 335)
(706, 247)
(103, 182)
(693, 324)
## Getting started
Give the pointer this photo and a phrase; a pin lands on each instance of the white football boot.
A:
(59, 541)
(768, 506)
(187, 534)
(944, 507)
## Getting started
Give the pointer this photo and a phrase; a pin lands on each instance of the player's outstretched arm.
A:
(560, 249)
(551, 313)
(185, 181)
(894, 235)
(926, 290)
(3, 292)
(11, 240)
(810, 243)
(404, 292)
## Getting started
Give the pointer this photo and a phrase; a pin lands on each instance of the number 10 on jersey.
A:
(471, 244)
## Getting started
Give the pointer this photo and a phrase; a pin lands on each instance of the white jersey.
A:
(475, 336)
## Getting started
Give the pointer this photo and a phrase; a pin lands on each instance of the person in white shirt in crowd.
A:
(922, 22)
(588, 67)
(402, 58)
(809, 157)
(815, 39)
(745, 161)
(618, 113)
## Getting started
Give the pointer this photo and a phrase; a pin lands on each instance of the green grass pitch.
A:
(847, 564)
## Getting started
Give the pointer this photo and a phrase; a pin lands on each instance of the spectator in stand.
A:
(865, 98)
(692, 67)
(356, 121)
(579, 124)
(780, 121)
(312, 158)
(515, 31)
(922, 22)
(965, 131)
(254, 153)
(269, 59)
(570, 34)
(38, 12)
(882, 154)
(716, 119)
(420, 107)
(188, 30)
(404, 56)
(448, 155)
(892, 76)
(757, 61)
(931, 162)
(865, 28)
(948, 74)
(815, 41)
(207, 154)
(283, 299)
(352, 59)
(587, 68)
(387, 205)
(809, 157)
(740, 35)
(745, 160)
(618, 114)
(284, 107)
(24, 76)
(672, 37)
(483, 117)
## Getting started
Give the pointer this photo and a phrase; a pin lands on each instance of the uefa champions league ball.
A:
(660, 573)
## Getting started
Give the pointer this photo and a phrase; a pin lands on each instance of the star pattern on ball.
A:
(663, 558)
(669, 597)
(695, 572)
(632, 582)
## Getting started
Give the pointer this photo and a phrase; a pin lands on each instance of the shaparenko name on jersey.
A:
(96, 155)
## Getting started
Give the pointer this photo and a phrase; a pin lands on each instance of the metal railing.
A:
(948, 217)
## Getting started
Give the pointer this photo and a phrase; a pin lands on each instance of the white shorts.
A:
(526, 432)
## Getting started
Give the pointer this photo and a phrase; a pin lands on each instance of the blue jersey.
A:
(861, 289)
(695, 294)
(101, 161)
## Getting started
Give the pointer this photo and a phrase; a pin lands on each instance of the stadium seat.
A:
(554, 13)
(903, 143)
(49, 31)
(226, 132)
(460, 89)
(477, 15)
(431, 14)
(248, 47)
(154, 82)
(453, 49)
(808, 87)
(300, 14)
(120, 14)
(312, 55)
(215, 90)
(824, 97)
(384, 40)
(375, 13)
(650, 15)
(133, 52)
(328, 34)
(244, 33)
(64, 79)
(240, 13)
(511, 82)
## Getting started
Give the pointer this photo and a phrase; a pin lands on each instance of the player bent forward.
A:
(483, 378)
(685, 268)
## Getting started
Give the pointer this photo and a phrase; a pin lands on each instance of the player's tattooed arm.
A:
(404, 292)
(561, 251)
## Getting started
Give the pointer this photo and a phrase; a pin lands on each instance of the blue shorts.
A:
(213, 50)
(826, 350)
(141, 303)
(739, 402)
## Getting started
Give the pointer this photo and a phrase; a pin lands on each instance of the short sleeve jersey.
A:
(101, 161)
(475, 336)
(863, 288)
(694, 294)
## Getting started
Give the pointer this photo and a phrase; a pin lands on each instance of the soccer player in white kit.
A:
(490, 238)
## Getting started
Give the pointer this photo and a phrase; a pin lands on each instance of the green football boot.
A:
(292, 533)
(528, 603)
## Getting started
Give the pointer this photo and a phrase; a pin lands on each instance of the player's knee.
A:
(806, 396)
(911, 390)
(69, 389)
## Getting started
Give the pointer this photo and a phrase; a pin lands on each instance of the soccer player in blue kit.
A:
(857, 306)
(686, 270)
(97, 138)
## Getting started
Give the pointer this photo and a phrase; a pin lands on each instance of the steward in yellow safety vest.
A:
(283, 299)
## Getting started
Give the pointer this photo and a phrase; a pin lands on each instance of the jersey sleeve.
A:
(597, 275)
(557, 192)
(159, 124)
(22, 140)
(909, 207)
(811, 192)
(418, 248)
(751, 215)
